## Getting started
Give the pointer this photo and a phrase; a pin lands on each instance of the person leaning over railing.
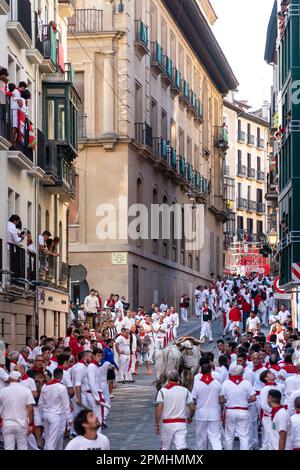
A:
(13, 235)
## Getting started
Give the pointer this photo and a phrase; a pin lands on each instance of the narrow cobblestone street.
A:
(131, 421)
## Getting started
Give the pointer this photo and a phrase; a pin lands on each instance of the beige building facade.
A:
(151, 133)
(246, 166)
(36, 170)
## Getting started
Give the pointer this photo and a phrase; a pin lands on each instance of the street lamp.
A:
(273, 237)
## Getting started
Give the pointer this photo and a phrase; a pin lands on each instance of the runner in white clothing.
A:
(280, 433)
(89, 437)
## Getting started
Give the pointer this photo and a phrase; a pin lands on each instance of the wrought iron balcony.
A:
(143, 134)
(157, 62)
(172, 158)
(199, 111)
(47, 46)
(251, 206)
(160, 149)
(260, 175)
(189, 172)
(167, 75)
(19, 23)
(241, 137)
(251, 173)
(193, 103)
(86, 21)
(181, 167)
(185, 93)
(260, 208)
(141, 37)
(241, 203)
(250, 139)
(241, 170)
(272, 187)
(260, 143)
(176, 85)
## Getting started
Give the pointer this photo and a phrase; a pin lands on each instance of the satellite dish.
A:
(78, 273)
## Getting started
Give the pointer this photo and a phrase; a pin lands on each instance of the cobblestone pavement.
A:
(131, 420)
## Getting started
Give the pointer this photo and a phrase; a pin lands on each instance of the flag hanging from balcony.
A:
(60, 57)
(32, 136)
(22, 124)
(296, 272)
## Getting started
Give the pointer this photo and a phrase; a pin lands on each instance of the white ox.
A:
(183, 356)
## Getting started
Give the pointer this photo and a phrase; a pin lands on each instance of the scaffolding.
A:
(244, 258)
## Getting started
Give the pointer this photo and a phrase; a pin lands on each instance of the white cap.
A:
(15, 375)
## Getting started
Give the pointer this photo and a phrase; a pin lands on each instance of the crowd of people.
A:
(63, 388)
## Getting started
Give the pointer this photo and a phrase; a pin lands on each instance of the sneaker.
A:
(111, 396)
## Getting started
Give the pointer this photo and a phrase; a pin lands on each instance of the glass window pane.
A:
(61, 135)
(51, 120)
(55, 91)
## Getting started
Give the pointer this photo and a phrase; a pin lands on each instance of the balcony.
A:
(260, 143)
(64, 273)
(19, 23)
(221, 137)
(226, 170)
(22, 264)
(66, 8)
(260, 175)
(176, 85)
(189, 172)
(167, 74)
(199, 112)
(47, 46)
(241, 170)
(81, 125)
(184, 97)
(86, 21)
(251, 206)
(181, 167)
(248, 236)
(143, 134)
(241, 203)
(250, 139)
(157, 61)
(260, 208)
(241, 136)
(69, 73)
(160, 149)
(141, 38)
(5, 127)
(192, 108)
(272, 187)
(4, 7)
(251, 173)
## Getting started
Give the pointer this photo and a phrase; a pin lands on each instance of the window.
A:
(181, 143)
(153, 117)
(197, 160)
(173, 48)
(173, 135)
(153, 22)
(164, 36)
(259, 227)
(51, 120)
(249, 226)
(189, 70)
(239, 159)
(258, 164)
(17, 203)
(240, 222)
(189, 150)
(181, 59)
(138, 102)
(164, 124)
(61, 121)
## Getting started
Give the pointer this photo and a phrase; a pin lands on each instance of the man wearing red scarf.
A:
(295, 419)
(236, 395)
(94, 390)
(172, 402)
(268, 378)
(280, 433)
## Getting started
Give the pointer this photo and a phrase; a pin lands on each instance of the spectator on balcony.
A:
(43, 238)
(52, 246)
(13, 235)
(3, 82)
(16, 104)
(30, 244)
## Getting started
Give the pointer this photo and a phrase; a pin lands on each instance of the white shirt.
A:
(91, 304)
(252, 323)
(13, 234)
(41, 241)
(14, 400)
(119, 306)
(281, 422)
(29, 383)
(79, 373)
(223, 373)
(258, 384)
(291, 402)
(292, 384)
(127, 323)
(124, 346)
(295, 420)
(119, 325)
(134, 343)
(16, 95)
(236, 395)
(93, 380)
(163, 307)
(54, 399)
(283, 316)
(214, 373)
(3, 378)
(264, 397)
(37, 351)
(81, 443)
(175, 401)
(206, 397)
(102, 371)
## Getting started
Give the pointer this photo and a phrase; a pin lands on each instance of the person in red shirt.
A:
(100, 301)
(257, 301)
(79, 347)
(235, 317)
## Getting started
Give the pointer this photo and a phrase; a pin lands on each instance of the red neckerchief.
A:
(257, 367)
(62, 367)
(54, 359)
(236, 379)
(270, 383)
(297, 412)
(171, 385)
(47, 364)
(207, 379)
(275, 367)
(13, 362)
(290, 369)
(39, 370)
(94, 362)
(276, 409)
(83, 362)
(54, 381)
(24, 357)
(25, 377)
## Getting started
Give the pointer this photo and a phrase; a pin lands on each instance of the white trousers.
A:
(206, 331)
(208, 430)
(173, 432)
(198, 307)
(266, 431)
(236, 423)
(124, 365)
(184, 314)
(227, 326)
(133, 362)
(159, 343)
(98, 410)
(253, 424)
(106, 396)
(151, 349)
(15, 435)
(54, 431)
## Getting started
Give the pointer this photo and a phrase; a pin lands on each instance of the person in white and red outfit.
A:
(292, 383)
(236, 394)
(280, 433)
(171, 408)
(268, 378)
(295, 419)
(184, 305)
(122, 345)
(206, 331)
(94, 390)
(55, 410)
(206, 395)
(235, 317)
(257, 369)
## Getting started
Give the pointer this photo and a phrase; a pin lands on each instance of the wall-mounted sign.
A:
(119, 258)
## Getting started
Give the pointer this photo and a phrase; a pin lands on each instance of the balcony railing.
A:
(172, 158)
(181, 166)
(193, 102)
(141, 35)
(226, 170)
(81, 125)
(160, 148)
(47, 155)
(272, 186)
(20, 11)
(167, 74)
(86, 21)
(241, 137)
(241, 203)
(250, 173)
(47, 44)
(260, 175)
(221, 137)
(189, 172)
(199, 110)
(176, 86)
(241, 170)
(185, 92)
(143, 134)
(5, 126)
(250, 139)
(17, 264)
(64, 273)
(260, 143)
(251, 205)
(157, 62)
(260, 208)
